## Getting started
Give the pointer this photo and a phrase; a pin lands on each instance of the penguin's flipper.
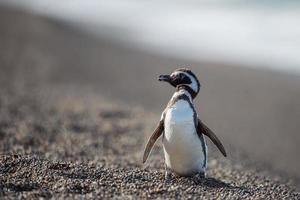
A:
(158, 131)
(202, 128)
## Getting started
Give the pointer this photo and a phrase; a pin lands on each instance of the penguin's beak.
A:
(166, 78)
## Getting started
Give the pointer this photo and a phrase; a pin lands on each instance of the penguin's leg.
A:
(168, 173)
(199, 177)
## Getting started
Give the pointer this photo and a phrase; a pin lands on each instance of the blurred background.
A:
(245, 53)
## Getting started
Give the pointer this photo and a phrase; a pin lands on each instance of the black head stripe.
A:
(186, 80)
(181, 78)
(188, 71)
(187, 88)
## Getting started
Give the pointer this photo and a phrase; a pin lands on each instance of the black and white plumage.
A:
(184, 146)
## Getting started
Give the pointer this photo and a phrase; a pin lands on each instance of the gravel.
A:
(94, 150)
(62, 141)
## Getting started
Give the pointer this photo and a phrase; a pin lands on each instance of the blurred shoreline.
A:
(256, 111)
(257, 34)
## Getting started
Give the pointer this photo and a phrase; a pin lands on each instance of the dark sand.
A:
(75, 113)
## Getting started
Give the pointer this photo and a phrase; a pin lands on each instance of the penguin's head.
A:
(183, 77)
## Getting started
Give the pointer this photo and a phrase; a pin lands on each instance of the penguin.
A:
(184, 146)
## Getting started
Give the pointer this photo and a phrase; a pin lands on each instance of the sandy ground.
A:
(77, 147)
(63, 132)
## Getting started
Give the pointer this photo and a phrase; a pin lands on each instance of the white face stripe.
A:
(192, 85)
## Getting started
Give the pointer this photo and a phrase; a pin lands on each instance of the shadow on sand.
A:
(215, 183)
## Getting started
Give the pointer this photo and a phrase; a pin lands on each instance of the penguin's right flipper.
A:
(156, 134)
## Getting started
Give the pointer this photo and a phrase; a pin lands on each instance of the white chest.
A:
(183, 148)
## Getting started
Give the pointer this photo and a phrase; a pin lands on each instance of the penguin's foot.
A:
(199, 177)
(168, 174)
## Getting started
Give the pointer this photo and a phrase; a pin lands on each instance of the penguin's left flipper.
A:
(202, 128)
(155, 135)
